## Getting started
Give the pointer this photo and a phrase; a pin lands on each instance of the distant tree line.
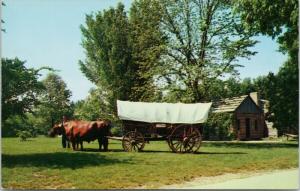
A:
(162, 51)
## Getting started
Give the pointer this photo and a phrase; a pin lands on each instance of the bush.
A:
(23, 135)
(116, 131)
(15, 125)
(219, 127)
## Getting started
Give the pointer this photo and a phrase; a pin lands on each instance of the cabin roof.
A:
(228, 104)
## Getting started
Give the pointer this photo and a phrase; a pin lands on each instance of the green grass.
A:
(41, 163)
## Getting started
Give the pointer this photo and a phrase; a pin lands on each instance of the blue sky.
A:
(46, 33)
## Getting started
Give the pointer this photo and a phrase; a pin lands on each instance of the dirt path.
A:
(278, 179)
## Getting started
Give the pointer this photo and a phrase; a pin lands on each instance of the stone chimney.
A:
(256, 98)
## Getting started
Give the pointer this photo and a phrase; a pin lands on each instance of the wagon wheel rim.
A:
(133, 141)
(195, 140)
(176, 140)
(185, 139)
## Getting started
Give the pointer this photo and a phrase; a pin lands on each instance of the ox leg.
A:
(100, 143)
(105, 143)
(68, 143)
(78, 141)
(63, 141)
(81, 145)
(73, 145)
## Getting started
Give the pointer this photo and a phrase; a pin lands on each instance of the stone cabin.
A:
(249, 116)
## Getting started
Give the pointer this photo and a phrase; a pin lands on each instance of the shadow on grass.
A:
(159, 151)
(220, 153)
(60, 160)
(252, 145)
(199, 152)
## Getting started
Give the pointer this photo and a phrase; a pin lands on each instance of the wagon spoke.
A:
(185, 139)
(133, 146)
(133, 141)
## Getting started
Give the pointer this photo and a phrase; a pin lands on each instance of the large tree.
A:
(282, 91)
(108, 62)
(20, 87)
(278, 19)
(205, 40)
(54, 102)
(20, 96)
(121, 52)
(148, 44)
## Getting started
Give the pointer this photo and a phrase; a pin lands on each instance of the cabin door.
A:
(247, 128)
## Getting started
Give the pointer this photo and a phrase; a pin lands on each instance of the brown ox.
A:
(78, 131)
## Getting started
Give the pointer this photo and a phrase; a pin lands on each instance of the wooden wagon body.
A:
(178, 124)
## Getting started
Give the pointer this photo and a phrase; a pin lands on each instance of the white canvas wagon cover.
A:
(163, 112)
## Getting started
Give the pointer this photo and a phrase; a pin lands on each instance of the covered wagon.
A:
(177, 123)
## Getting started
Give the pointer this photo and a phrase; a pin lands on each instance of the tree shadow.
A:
(200, 152)
(252, 145)
(60, 160)
(221, 153)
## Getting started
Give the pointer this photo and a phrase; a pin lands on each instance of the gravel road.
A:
(278, 179)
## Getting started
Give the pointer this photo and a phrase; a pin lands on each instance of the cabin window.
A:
(238, 124)
(255, 125)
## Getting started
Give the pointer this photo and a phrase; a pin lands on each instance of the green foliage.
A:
(204, 41)
(20, 95)
(275, 18)
(282, 91)
(148, 43)
(121, 53)
(117, 131)
(20, 87)
(23, 135)
(108, 50)
(231, 87)
(218, 89)
(18, 123)
(54, 103)
(219, 127)
(278, 19)
(93, 107)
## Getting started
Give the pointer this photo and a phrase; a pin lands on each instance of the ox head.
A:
(57, 129)
(105, 126)
(108, 125)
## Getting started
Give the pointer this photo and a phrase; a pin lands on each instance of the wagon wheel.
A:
(195, 140)
(133, 141)
(185, 139)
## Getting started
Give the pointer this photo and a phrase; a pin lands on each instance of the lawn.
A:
(41, 163)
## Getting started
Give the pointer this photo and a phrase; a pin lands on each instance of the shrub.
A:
(219, 127)
(116, 131)
(14, 126)
(23, 135)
